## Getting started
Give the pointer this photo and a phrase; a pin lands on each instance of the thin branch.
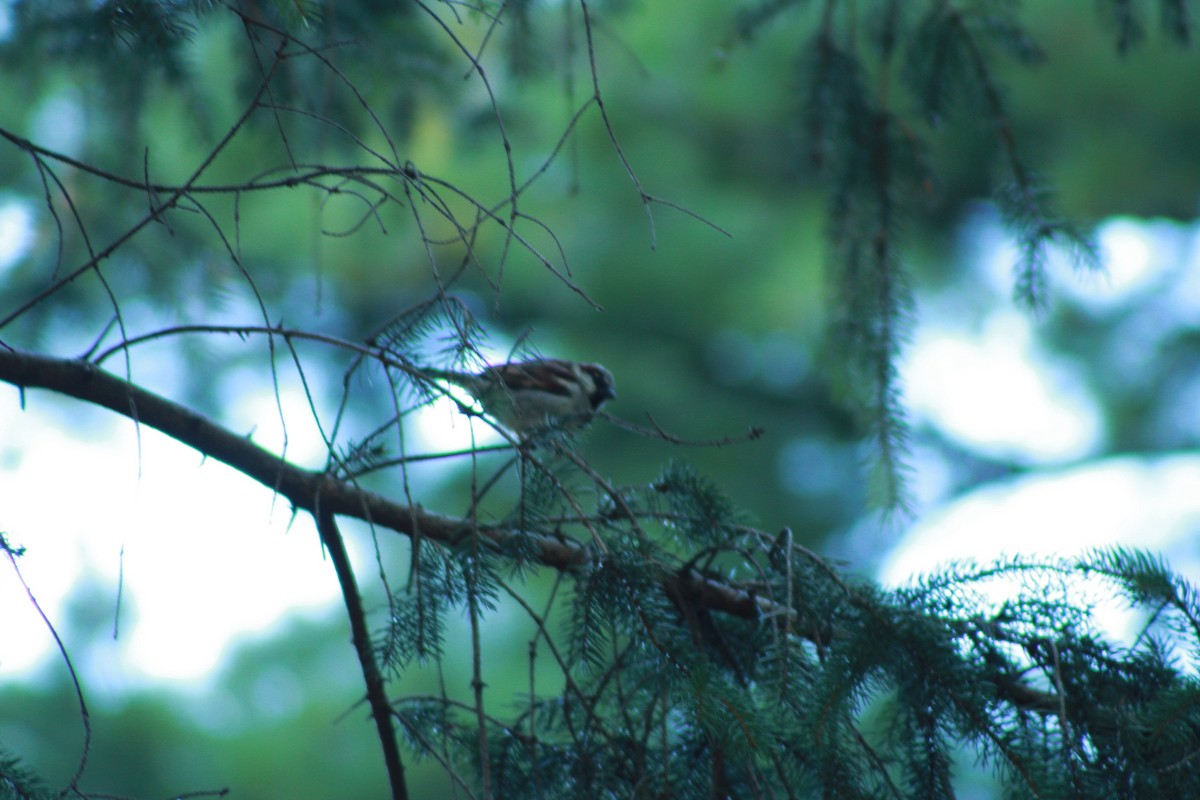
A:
(656, 431)
(155, 214)
(381, 709)
(73, 784)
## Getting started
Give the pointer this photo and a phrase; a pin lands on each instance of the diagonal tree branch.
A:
(319, 494)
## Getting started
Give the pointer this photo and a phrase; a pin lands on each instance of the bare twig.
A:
(153, 215)
(381, 709)
(73, 784)
(656, 431)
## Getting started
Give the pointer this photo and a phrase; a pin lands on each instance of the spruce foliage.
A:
(19, 783)
(822, 684)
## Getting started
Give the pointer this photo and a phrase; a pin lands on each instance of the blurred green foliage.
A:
(714, 317)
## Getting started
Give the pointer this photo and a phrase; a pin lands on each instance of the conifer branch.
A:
(320, 493)
(959, 664)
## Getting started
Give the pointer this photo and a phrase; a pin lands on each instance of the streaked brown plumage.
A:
(540, 394)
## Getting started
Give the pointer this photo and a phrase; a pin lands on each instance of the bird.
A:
(536, 396)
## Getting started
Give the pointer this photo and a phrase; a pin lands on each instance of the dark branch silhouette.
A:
(325, 496)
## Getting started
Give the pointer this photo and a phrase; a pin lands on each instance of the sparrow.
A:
(542, 394)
